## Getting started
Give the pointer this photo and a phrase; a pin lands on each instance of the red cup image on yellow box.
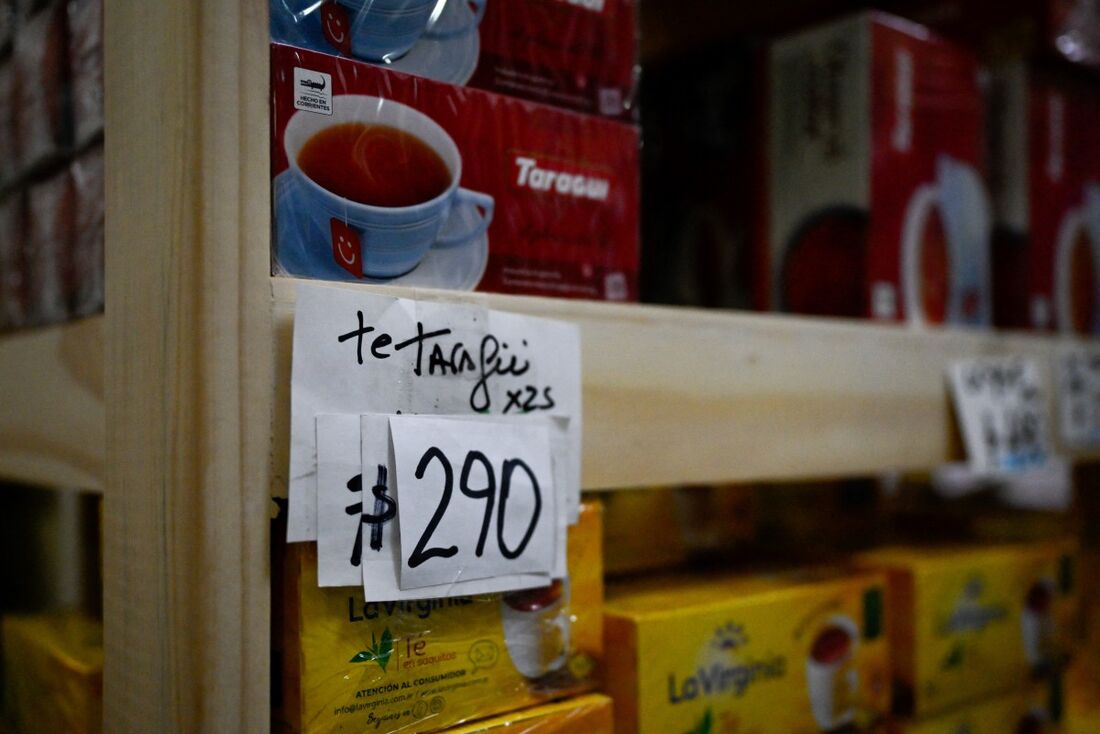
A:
(1077, 266)
(386, 178)
(875, 202)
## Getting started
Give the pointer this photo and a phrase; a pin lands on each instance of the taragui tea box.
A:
(579, 54)
(783, 655)
(426, 665)
(974, 622)
(875, 202)
(591, 714)
(383, 177)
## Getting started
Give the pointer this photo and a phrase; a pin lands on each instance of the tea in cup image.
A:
(825, 264)
(386, 30)
(1077, 267)
(536, 628)
(946, 236)
(831, 677)
(373, 188)
(1037, 626)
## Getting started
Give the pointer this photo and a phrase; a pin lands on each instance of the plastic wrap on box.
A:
(47, 253)
(86, 272)
(8, 167)
(591, 714)
(53, 673)
(12, 294)
(800, 652)
(384, 177)
(578, 54)
(24, 9)
(876, 204)
(85, 26)
(40, 59)
(975, 622)
(425, 665)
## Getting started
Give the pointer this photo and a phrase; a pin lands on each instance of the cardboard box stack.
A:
(51, 172)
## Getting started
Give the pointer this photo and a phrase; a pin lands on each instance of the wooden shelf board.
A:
(52, 417)
(675, 396)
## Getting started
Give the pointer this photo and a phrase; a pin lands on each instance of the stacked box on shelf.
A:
(1022, 712)
(875, 204)
(1047, 196)
(386, 177)
(781, 653)
(86, 285)
(420, 666)
(85, 53)
(41, 114)
(580, 55)
(591, 714)
(971, 623)
(47, 248)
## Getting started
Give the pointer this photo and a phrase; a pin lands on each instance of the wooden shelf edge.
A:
(52, 415)
(675, 395)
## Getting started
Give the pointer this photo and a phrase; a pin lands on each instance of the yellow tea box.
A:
(728, 655)
(378, 666)
(974, 622)
(1017, 713)
(589, 714)
(53, 673)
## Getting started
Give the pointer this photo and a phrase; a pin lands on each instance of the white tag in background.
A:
(476, 499)
(361, 353)
(1002, 412)
(1079, 396)
(381, 569)
(340, 496)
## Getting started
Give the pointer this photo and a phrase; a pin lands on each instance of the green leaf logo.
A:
(378, 652)
(705, 726)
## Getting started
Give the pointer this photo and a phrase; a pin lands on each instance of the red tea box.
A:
(40, 59)
(86, 286)
(876, 204)
(12, 296)
(383, 177)
(47, 247)
(85, 22)
(1047, 200)
(578, 54)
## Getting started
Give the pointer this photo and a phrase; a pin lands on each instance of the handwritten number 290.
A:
(489, 493)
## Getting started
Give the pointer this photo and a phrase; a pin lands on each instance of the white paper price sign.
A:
(357, 353)
(476, 500)
(1079, 396)
(1001, 408)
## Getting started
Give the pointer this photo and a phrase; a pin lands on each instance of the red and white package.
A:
(40, 59)
(385, 177)
(1047, 195)
(47, 249)
(86, 67)
(875, 204)
(86, 288)
(577, 54)
(8, 168)
(12, 291)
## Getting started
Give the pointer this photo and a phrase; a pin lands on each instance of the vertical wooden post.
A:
(189, 366)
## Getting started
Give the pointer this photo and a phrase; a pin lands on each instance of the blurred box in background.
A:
(85, 56)
(876, 203)
(1045, 159)
(1025, 712)
(47, 253)
(41, 120)
(13, 306)
(590, 714)
(86, 286)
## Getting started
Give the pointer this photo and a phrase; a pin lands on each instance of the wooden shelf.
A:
(677, 395)
(52, 417)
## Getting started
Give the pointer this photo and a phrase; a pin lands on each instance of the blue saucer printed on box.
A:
(444, 56)
(303, 249)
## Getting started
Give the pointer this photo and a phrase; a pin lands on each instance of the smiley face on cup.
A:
(944, 247)
(831, 676)
(1077, 267)
(385, 30)
(381, 180)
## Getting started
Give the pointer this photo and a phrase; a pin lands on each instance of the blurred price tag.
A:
(1079, 396)
(476, 499)
(1002, 412)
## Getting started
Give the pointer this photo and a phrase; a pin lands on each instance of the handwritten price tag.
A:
(1002, 413)
(476, 499)
(359, 353)
(1079, 396)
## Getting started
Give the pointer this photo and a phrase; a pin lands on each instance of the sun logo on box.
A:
(729, 637)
